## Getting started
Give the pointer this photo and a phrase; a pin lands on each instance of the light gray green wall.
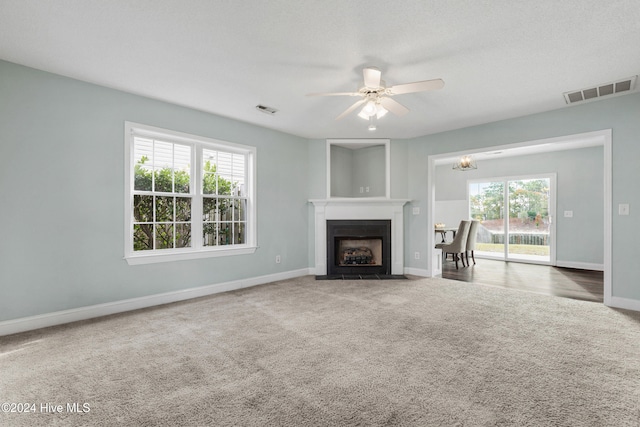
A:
(580, 188)
(399, 176)
(62, 188)
(317, 187)
(621, 114)
(341, 171)
(317, 184)
(369, 172)
(356, 169)
(62, 180)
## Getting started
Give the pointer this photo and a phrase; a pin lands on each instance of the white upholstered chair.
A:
(458, 246)
(471, 241)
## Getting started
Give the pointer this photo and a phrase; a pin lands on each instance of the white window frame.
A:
(197, 250)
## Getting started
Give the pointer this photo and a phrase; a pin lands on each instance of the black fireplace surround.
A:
(339, 230)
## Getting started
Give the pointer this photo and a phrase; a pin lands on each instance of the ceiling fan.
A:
(375, 95)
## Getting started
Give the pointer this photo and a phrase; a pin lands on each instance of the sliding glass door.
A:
(516, 217)
(486, 204)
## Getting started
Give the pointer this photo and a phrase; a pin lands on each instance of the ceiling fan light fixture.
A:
(369, 109)
(372, 122)
(380, 111)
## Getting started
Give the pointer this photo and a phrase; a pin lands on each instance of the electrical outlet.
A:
(362, 189)
(278, 259)
(416, 255)
(416, 210)
(366, 189)
(568, 214)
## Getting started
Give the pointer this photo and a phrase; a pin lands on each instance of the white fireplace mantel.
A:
(359, 209)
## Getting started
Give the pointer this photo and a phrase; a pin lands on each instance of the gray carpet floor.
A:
(419, 352)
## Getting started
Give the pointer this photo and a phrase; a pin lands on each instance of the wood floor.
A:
(584, 285)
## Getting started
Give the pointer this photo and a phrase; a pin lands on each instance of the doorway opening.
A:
(600, 138)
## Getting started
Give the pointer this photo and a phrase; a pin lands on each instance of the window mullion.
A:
(175, 215)
(250, 196)
(196, 199)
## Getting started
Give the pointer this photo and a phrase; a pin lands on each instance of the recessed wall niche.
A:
(358, 168)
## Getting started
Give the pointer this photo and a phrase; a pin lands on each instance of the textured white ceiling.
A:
(498, 58)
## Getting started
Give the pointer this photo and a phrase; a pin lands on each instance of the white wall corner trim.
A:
(626, 303)
(23, 324)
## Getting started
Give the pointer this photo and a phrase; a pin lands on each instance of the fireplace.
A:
(365, 209)
(358, 247)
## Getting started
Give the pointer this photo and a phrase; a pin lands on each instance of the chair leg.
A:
(473, 257)
(463, 264)
(455, 257)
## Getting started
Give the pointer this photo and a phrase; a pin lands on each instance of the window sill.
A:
(146, 258)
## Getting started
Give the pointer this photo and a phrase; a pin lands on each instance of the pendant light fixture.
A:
(466, 163)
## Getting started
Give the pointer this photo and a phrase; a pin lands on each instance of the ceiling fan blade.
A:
(372, 77)
(394, 106)
(350, 109)
(334, 94)
(416, 87)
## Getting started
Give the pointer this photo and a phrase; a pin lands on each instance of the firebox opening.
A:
(358, 247)
(361, 252)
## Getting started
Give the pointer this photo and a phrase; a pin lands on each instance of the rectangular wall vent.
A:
(611, 88)
(265, 109)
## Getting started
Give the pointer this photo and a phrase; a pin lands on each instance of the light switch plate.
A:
(623, 209)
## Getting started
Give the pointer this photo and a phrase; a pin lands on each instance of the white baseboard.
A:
(23, 324)
(580, 265)
(626, 303)
(417, 272)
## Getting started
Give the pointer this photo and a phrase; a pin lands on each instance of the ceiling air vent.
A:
(611, 88)
(265, 109)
